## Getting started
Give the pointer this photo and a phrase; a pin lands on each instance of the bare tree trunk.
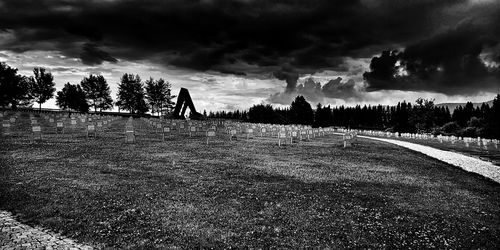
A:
(40, 107)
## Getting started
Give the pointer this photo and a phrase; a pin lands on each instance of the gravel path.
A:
(467, 163)
(16, 235)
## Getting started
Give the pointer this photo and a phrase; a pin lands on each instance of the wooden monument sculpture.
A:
(183, 102)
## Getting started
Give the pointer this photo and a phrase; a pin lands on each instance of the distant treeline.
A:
(423, 116)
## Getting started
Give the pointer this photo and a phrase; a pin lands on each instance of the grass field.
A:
(246, 193)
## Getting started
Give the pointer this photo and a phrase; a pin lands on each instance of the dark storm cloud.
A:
(289, 76)
(93, 55)
(215, 34)
(315, 93)
(448, 63)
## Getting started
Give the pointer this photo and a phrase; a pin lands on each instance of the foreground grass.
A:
(183, 193)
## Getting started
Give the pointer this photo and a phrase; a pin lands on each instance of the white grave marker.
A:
(232, 133)
(210, 133)
(129, 134)
(281, 136)
(59, 127)
(37, 132)
(91, 131)
(166, 130)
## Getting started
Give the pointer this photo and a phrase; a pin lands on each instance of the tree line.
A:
(92, 92)
(423, 116)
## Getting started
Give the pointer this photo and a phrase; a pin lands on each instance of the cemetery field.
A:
(243, 193)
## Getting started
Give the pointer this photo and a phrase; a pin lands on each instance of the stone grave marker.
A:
(262, 132)
(129, 134)
(6, 127)
(485, 144)
(302, 134)
(91, 131)
(233, 133)
(347, 138)
(36, 132)
(181, 127)
(294, 134)
(73, 122)
(192, 130)
(159, 127)
(59, 127)
(281, 136)
(12, 119)
(249, 133)
(210, 133)
(166, 131)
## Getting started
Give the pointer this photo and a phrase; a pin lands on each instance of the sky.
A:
(232, 54)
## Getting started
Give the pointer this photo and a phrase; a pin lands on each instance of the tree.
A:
(14, 88)
(43, 86)
(131, 94)
(72, 97)
(262, 113)
(493, 119)
(97, 91)
(323, 117)
(301, 111)
(158, 94)
(423, 115)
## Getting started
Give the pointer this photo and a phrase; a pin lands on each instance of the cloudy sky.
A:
(232, 54)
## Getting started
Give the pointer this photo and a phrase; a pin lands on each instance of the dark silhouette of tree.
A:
(262, 113)
(42, 87)
(323, 117)
(236, 115)
(97, 92)
(72, 97)
(492, 127)
(158, 94)
(423, 115)
(131, 94)
(14, 88)
(301, 111)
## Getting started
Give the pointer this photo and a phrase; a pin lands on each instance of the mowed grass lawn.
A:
(246, 193)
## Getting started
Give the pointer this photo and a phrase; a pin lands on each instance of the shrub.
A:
(451, 128)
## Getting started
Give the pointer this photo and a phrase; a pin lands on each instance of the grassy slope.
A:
(182, 193)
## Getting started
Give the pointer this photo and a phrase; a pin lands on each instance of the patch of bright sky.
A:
(209, 90)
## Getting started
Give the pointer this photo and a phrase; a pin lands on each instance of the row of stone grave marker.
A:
(283, 133)
(349, 138)
(467, 141)
(36, 126)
